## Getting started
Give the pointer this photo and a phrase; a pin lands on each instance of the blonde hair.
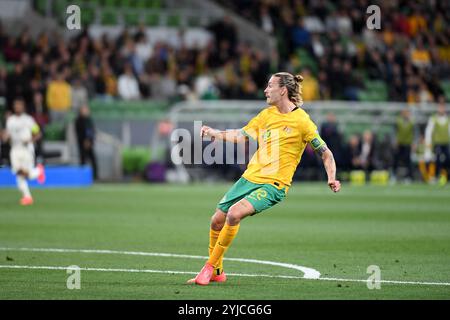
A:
(293, 86)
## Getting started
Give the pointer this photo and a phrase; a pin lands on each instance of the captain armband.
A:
(318, 145)
(35, 129)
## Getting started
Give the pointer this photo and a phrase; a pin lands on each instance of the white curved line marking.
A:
(230, 274)
(308, 273)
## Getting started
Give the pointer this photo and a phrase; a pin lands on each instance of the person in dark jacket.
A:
(85, 131)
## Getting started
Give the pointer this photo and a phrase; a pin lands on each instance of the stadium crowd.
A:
(411, 54)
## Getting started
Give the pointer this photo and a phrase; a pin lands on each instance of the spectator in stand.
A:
(310, 86)
(265, 20)
(59, 97)
(424, 95)
(353, 153)
(420, 57)
(110, 81)
(417, 23)
(128, 86)
(97, 82)
(317, 45)
(225, 30)
(79, 94)
(301, 37)
(350, 84)
(386, 55)
(367, 156)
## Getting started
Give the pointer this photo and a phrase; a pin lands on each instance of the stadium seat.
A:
(55, 132)
(109, 17)
(306, 60)
(379, 177)
(126, 4)
(110, 3)
(155, 4)
(173, 20)
(193, 22)
(92, 4)
(152, 20)
(59, 9)
(87, 16)
(132, 18)
(41, 6)
(142, 4)
(357, 177)
(376, 90)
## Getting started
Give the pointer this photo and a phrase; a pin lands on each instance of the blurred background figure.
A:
(367, 156)
(59, 97)
(79, 95)
(353, 153)
(437, 139)
(128, 86)
(85, 132)
(404, 141)
(330, 133)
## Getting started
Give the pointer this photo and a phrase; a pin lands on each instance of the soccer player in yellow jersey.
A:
(282, 131)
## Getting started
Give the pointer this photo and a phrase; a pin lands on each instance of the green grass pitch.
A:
(405, 230)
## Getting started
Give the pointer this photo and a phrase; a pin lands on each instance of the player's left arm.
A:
(322, 150)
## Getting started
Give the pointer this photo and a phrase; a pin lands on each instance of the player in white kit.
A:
(22, 131)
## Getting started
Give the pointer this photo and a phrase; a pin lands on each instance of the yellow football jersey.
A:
(282, 138)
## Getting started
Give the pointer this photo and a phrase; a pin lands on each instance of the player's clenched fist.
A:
(334, 185)
(206, 131)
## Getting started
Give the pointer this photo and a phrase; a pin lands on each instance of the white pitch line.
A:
(141, 271)
(230, 274)
(309, 273)
(312, 276)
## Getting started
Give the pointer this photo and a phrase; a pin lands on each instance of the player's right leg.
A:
(217, 222)
(19, 164)
(22, 185)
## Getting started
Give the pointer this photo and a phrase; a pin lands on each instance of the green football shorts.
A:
(261, 196)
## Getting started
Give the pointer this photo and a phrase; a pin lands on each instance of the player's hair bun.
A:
(298, 78)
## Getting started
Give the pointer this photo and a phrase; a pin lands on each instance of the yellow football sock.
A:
(213, 236)
(423, 170)
(226, 236)
(432, 171)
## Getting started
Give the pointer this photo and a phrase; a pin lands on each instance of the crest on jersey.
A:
(287, 129)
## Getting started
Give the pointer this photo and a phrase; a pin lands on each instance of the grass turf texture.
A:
(405, 230)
